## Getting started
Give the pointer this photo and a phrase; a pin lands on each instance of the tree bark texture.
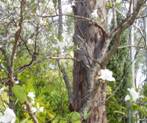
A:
(89, 93)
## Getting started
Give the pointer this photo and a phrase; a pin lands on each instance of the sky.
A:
(140, 77)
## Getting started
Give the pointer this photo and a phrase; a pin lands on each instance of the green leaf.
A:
(75, 117)
(86, 114)
(19, 92)
(25, 120)
(109, 5)
(120, 112)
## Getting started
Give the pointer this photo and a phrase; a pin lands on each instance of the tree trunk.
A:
(98, 109)
(89, 93)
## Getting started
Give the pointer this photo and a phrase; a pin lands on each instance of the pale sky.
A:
(140, 77)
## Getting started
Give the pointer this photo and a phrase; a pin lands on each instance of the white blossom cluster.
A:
(2, 90)
(94, 14)
(37, 108)
(8, 116)
(66, 8)
(106, 75)
(133, 95)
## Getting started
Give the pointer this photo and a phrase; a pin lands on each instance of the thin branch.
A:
(33, 55)
(114, 14)
(60, 20)
(128, 46)
(29, 51)
(22, 68)
(37, 32)
(14, 49)
(32, 115)
(137, 27)
(130, 7)
(90, 20)
(58, 58)
(66, 79)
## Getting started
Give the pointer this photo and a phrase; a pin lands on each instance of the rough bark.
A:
(88, 92)
(98, 110)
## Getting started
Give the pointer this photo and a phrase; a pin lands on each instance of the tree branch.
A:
(129, 20)
(66, 80)
(32, 115)
(116, 32)
(14, 49)
(22, 68)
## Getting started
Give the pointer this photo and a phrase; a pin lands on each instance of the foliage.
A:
(35, 68)
(117, 111)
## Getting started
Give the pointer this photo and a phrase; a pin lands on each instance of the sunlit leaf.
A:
(19, 92)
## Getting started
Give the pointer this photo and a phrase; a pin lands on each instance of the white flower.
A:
(42, 21)
(2, 66)
(17, 82)
(2, 90)
(73, 3)
(45, 14)
(38, 12)
(31, 95)
(51, 4)
(106, 74)
(37, 109)
(94, 14)
(40, 109)
(127, 98)
(66, 8)
(2, 5)
(8, 117)
(30, 41)
(33, 109)
(52, 66)
(134, 94)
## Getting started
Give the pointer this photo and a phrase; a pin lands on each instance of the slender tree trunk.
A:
(145, 54)
(132, 57)
(60, 20)
(132, 49)
(89, 93)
